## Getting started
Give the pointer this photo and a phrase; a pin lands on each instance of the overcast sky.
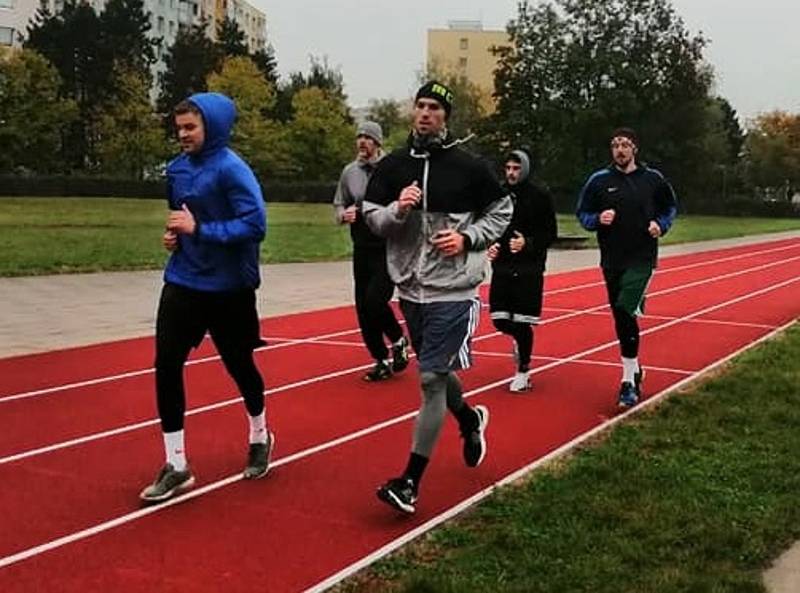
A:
(380, 45)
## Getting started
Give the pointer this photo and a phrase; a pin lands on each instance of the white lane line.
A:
(603, 363)
(236, 399)
(523, 471)
(668, 317)
(127, 518)
(147, 371)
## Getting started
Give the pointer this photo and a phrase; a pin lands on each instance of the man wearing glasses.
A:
(630, 205)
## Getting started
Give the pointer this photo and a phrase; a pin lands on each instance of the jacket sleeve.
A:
(341, 199)
(587, 210)
(249, 222)
(545, 225)
(379, 207)
(492, 221)
(666, 204)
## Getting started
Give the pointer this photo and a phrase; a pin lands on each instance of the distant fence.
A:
(322, 192)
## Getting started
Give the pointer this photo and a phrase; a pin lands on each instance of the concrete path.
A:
(51, 312)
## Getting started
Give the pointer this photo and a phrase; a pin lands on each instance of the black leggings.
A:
(374, 289)
(627, 332)
(184, 316)
(523, 336)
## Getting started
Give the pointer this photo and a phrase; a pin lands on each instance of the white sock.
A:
(258, 428)
(629, 368)
(175, 449)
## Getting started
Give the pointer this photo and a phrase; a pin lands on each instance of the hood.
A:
(525, 165)
(219, 113)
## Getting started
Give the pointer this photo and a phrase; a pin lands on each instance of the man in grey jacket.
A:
(439, 208)
(373, 287)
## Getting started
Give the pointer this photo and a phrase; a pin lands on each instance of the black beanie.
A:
(438, 92)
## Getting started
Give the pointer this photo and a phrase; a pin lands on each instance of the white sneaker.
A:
(520, 382)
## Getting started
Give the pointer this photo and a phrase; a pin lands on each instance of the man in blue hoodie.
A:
(216, 223)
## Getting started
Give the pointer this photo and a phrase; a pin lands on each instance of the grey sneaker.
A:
(258, 458)
(167, 484)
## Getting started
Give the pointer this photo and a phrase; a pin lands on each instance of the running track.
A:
(79, 436)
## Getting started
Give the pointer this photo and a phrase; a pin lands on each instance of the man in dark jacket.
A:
(439, 208)
(518, 262)
(373, 287)
(216, 223)
(630, 205)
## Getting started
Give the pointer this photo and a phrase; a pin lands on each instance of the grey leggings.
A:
(439, 391)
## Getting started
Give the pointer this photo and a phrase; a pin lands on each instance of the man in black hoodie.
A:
(439, 209)
(630, 205)
(373, 287)
(518, 262)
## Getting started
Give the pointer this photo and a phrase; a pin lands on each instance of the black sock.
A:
(467, 417)
(416, 467)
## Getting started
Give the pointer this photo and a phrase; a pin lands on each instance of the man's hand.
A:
(349, 214)
(607, 216)
(493, 251)
(170, 241)
(517, 243)
(409, 197)
(654, 229)
(181, 221)
(449, 242)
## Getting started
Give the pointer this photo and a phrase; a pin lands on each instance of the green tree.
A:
(393, 119)
(773, 150)
(33, 115)
(267, 64)
(231, 39)
(578, 68)
(261, 141)
(734, 134)
(322, 76)
(188, 62)
(320, 135)
(131, 140)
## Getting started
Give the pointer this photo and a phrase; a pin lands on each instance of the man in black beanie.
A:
(630, 205)
(439, 208)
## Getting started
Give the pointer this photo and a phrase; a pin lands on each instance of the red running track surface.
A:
(80, 437)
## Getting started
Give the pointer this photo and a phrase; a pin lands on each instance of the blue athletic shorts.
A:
(441, 333)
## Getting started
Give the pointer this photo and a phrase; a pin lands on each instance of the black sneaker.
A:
(475, 438)
(380, 372)
(627, 396)
(258, 458)
(167, 484)
(399, 493)
(400, 355)
(638, 378)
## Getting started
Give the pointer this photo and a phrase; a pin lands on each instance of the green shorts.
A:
(627, 288)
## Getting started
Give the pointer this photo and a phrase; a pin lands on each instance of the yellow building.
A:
(465, 48)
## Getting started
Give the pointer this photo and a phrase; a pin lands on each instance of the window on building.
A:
(172, 27)
(463, 43)
(195, 9)
(7, 4)
(160, 24)
(462, 62)
(6, 35)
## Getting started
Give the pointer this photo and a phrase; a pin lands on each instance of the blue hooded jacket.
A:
(222, 193)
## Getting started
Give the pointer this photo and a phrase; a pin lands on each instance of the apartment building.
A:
(465, 47)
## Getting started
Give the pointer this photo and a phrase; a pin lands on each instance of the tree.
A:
(773, 150)
(265, 60)
(734, 135)
(321, 76)
(131, 140)
(188, 62)
(260, 140)
(33, 116)
(393, 119)
(578, 68)
(126, 43)
(231, 39)
(320, 135)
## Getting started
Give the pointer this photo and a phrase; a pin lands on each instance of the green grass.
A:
(61, 235)
(699, 495)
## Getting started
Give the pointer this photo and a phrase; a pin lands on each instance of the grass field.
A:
(699, 495)
(63, 235)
